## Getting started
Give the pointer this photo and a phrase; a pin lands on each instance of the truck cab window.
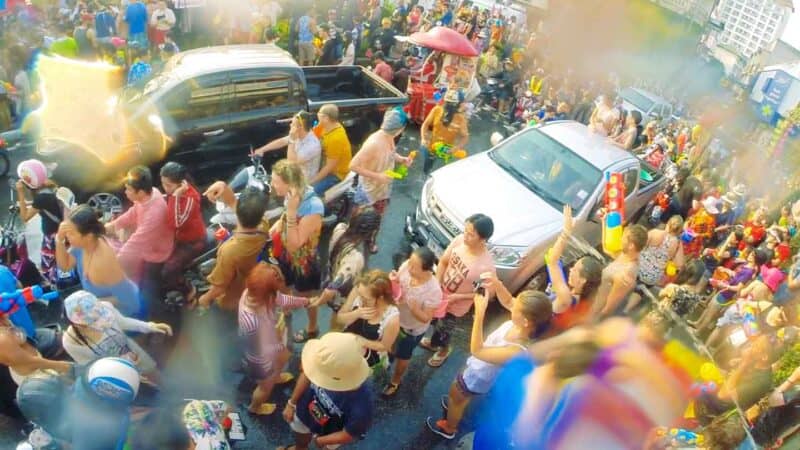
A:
(630, 177)
(198, 98)
(263, 92)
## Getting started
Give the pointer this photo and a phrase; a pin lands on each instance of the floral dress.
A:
(300, 267)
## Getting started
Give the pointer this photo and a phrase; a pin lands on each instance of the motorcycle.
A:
(487, 99)
(13, 250)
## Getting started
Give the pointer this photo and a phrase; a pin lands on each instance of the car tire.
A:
(5, 164)
(537, 282)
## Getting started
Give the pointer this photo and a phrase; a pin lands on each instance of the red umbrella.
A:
(445, 40)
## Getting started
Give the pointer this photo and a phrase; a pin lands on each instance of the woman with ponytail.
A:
(530, 317)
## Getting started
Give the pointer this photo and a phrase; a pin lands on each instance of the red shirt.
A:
(185, 217)
(573, 316)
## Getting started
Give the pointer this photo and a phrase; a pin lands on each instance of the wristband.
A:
(291, 403)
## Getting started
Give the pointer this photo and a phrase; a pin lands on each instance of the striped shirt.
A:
(258, 327)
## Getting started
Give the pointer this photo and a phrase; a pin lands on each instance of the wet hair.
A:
(250, 207)
(762, 256)
(291, 173)
(483, 225)
(691, 273)
(674, 224)
(87, 221)
(263, 282)
(637, 116)
(378, 284)
(140, 179)
(592, 272)
(360, 229)
(537, 307)
(426, 257)
(305, 120)
(175, 172)
(638, 236)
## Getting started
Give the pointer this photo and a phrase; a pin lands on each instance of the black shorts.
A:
(302, 280)
(405, 345)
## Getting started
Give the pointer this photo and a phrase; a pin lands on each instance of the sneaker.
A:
(438, 428)
(444, 403)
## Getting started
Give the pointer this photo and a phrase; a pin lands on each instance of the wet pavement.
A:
(192, 367)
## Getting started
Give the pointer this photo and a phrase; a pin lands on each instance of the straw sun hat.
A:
(335, 362)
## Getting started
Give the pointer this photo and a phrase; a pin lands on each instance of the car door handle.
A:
(214, 133)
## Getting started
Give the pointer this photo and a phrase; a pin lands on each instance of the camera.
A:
(477, 287)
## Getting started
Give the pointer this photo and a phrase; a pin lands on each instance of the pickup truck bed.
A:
(343, 84)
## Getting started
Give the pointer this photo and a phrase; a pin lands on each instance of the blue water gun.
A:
(15, 305)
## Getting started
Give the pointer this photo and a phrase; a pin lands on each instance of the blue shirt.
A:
(8, 282)
(139, 72)
(333, 411)
(304, 33)
(104, 24)
(136, 16)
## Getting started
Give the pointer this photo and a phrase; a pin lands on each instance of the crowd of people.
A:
(709, 255)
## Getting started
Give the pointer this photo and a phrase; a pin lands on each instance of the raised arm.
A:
(491, 355)
(559, 285)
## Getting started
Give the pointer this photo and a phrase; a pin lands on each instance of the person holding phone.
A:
(185, 218)
(530, 315)
(302, 145)
(295, 236)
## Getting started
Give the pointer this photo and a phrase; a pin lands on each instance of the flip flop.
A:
(304, 335)
(286, 447)
(426, 344)
(390, 390)
(264, 409)
(437, 361)
(285, 377)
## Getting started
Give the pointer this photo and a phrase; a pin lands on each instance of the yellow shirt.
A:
(336, 145)
(448, 134)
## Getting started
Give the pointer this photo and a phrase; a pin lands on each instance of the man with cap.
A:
(376, 157)
(332, 403)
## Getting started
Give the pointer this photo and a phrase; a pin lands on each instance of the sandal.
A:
(286, 447)
(304, 335)
(264, 409)
(437, 361)
(285, 377)
(374, 249)
(390, 390)
(426, 344)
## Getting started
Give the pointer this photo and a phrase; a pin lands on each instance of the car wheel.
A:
(538, 282)
(5, 164)
(107, 204)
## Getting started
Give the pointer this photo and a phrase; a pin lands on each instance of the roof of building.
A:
(792, 68)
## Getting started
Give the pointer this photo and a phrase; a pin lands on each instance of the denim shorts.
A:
(405, 345)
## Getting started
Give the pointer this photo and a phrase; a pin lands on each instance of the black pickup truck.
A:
(207, 108)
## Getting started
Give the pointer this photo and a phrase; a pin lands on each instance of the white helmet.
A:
(114, 379)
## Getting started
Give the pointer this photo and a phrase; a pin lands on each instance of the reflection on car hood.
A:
(478, 185)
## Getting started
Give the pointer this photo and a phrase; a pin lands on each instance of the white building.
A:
(695, 10)
(751, 26)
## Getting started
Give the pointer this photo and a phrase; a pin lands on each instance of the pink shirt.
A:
(152, 239)
(462, 271)
(384, 70)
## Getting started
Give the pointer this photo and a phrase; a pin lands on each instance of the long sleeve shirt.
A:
(185, 216)
(152, 239)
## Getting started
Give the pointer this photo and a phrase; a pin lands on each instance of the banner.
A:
(774, 91)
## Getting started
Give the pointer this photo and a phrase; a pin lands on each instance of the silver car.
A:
(523, 184)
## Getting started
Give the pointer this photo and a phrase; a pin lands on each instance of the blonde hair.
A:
(674, 224)
(291, 173)
(330, 110)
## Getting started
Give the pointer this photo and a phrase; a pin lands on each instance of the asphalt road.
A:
(191, 368)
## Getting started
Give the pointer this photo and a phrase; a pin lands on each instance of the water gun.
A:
(750, 324)
(401, 170)
(707, 387)
(685, 437)
(15, 305)
(615, 213)
(445, 152)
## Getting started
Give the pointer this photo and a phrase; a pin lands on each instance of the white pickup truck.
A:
(523, 183)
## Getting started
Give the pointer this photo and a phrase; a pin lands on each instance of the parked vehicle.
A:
(209, 106)
(650, 105)
(523, 183)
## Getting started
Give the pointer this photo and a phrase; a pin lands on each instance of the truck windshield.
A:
(641, 102)
(550, 170)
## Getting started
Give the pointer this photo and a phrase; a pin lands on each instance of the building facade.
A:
(751, 26)
(695, 10)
